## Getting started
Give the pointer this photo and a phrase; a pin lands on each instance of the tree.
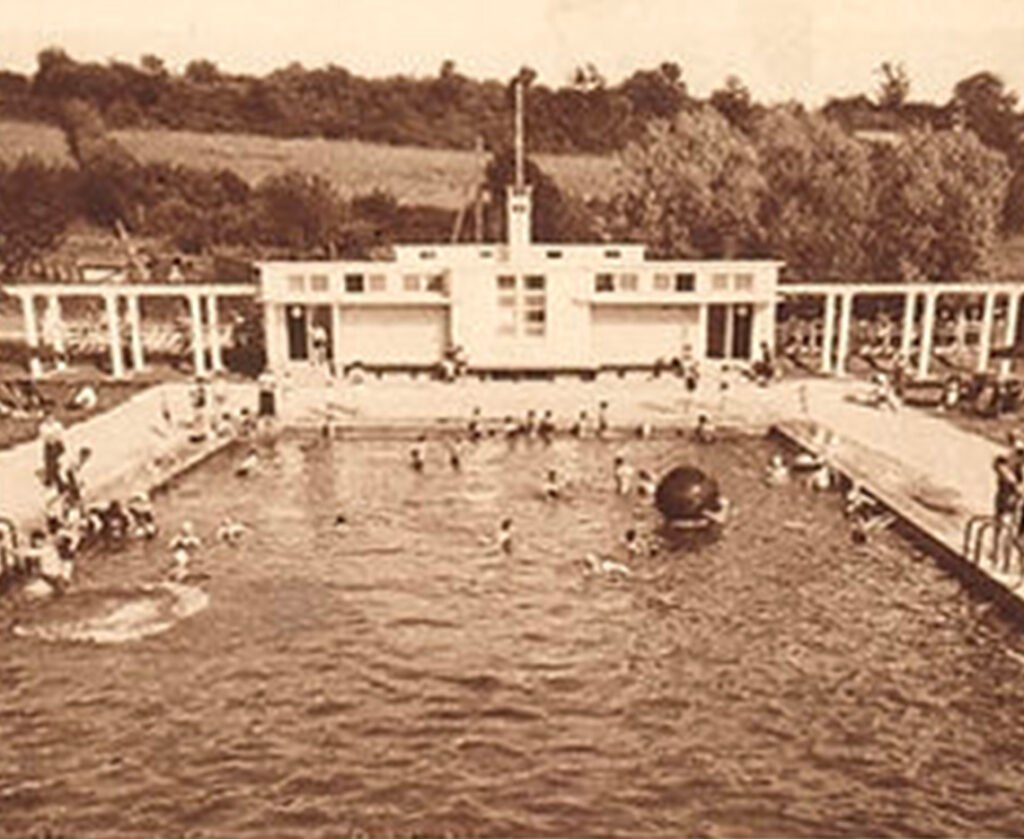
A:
(691, 188)
(299, 211)
(939, 197)
(37, 202)
(894, 86)
(987, 108)
(733, 101)
(818, 202)
(557, 216)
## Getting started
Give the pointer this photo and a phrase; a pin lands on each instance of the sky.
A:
(805, 50)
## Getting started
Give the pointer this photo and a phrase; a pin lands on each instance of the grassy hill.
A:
(434, 177)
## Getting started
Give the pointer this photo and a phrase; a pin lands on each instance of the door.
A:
(298, 333)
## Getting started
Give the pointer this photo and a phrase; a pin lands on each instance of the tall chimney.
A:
(519, 207)
(520, 137)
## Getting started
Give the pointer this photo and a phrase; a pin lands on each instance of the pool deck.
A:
(934, 475)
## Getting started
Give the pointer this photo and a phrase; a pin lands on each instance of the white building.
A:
(518, 306)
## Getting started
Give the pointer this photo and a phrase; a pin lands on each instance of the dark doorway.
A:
(298, 338)
(716, 330)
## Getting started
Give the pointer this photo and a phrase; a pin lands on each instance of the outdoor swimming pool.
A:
(397, 676)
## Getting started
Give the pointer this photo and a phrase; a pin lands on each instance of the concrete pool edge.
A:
(940, 533)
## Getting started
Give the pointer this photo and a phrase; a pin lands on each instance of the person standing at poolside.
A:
(417, 454)
(51, 432)
(602, 419)
(1009, 469)
(623, 473)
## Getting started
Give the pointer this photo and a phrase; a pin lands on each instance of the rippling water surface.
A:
(399, 676)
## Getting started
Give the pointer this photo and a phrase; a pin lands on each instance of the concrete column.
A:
(828, 334)
(336, 338)
(700, 349)
(28, 308)
(135, 327)
(961, 327)
(114, 333)
(55, 325)
(927, 334)
(198, 351)
(1010, 336)
(845, 314)
(216, 359)
(907, 335)
(273, 331)
(985, 340)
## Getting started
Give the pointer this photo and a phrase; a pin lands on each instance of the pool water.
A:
(400, 676)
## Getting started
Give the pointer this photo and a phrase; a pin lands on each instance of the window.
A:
(534, 314)
(378, 282)
(612, 254)
(354, 283)
(686, 282)
(662, 282)
(522, 306)
(318, 282)
(604, 282)
(486, 253)
(435, 283)
(554, 254)
(507, 314)
(296, 282)
(743, 282)
(533, 282)
(628, 282)
(506, 282)
(719, 282)
(428, 254)
(411, 282)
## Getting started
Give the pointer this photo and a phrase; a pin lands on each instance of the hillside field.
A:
(413, 175)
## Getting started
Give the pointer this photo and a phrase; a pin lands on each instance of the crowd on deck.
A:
(73, 524)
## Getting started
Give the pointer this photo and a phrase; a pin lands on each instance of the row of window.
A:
(359, 283)
(522, 304)
(682, 282)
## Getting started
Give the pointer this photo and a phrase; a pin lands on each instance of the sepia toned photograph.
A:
(561, 418)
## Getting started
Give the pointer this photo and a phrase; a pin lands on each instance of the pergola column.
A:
(829, 333)
(114, 333)
(55, 326)
(701, 348)
(135, 326)
(198, 351)
(216, 359)
(985, 342)
(907, 335)
(927, 334)
(1010, 336)
(844, 331)
(28, 308)
(336, 338)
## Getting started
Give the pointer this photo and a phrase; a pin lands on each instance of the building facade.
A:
(518, 306)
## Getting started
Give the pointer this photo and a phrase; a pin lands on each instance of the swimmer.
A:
(635, 546)
(546, 427)
(140, 508)
(776, 473)
(248, 463)
(551, 489)
(340, 520)
(602, 419)
(865, 526)
(473, 429)
(505, 535)
(231, 531)
(705, 430)
(857, 501)
(645, 484)
(579, 428)
(186, 538)
(454, 455)
(416, 454)
(602, 565)
(719, 514)
(820, 479)
(623, 475)
(529, 425)
(510, 428)
(805, 461)
(643, 431)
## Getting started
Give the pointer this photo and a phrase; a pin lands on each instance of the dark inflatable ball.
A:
(685, 493)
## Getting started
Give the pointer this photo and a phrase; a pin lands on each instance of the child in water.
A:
(248, 464)
(645, 485)
(776, 473)
(505, 535)
(182, 544)
(231, 531)
(140, 508)
(623, 475)
(551, 489)
(416, 454)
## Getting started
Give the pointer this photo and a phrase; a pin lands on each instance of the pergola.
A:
(839, 297)
(112, 293)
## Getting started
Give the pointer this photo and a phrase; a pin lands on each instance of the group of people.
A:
(865, 513)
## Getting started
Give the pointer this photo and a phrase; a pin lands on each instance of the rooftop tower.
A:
(519, 205)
